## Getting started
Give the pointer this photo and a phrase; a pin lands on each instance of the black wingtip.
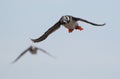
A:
(98, 24)
(103, 24)
(33, 40)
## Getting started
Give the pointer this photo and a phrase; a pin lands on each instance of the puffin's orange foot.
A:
(79, 28)
(70, 30)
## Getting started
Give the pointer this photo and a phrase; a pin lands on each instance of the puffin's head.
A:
(65, 19)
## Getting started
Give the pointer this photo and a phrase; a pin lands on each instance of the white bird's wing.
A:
(44, 51)
(21, 55)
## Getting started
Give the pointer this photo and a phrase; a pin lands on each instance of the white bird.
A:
(32, 50)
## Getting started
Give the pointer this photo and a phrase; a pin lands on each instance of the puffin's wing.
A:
(44, 51)
(80, 19)
(48, 32)
(21, 55)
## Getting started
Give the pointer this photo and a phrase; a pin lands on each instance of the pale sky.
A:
(93, 53)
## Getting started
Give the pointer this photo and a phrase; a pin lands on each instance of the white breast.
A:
(71, 25)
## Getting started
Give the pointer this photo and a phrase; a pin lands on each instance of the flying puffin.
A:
(68, 22)
(32, 50)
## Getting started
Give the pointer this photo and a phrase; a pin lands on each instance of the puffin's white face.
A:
(65, 19)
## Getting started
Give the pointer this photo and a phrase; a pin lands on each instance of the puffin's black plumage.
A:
(47, 33)
(69, 22)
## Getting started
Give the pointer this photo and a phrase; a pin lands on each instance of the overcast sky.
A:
(93, 53)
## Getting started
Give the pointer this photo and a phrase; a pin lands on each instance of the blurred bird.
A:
(67, 21)
(32, 50)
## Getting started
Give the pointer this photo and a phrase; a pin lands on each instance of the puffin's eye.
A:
(67, 17)
(64, 18)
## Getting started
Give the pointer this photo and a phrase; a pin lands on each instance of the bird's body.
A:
(32, 50)
(71, 25)
(67, 21)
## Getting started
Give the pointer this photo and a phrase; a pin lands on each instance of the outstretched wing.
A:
(21, 55)
(47, 33)
(44, 51)
(80, 19)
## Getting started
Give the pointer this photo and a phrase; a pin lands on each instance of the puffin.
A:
(33, 50)
(69, 22)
